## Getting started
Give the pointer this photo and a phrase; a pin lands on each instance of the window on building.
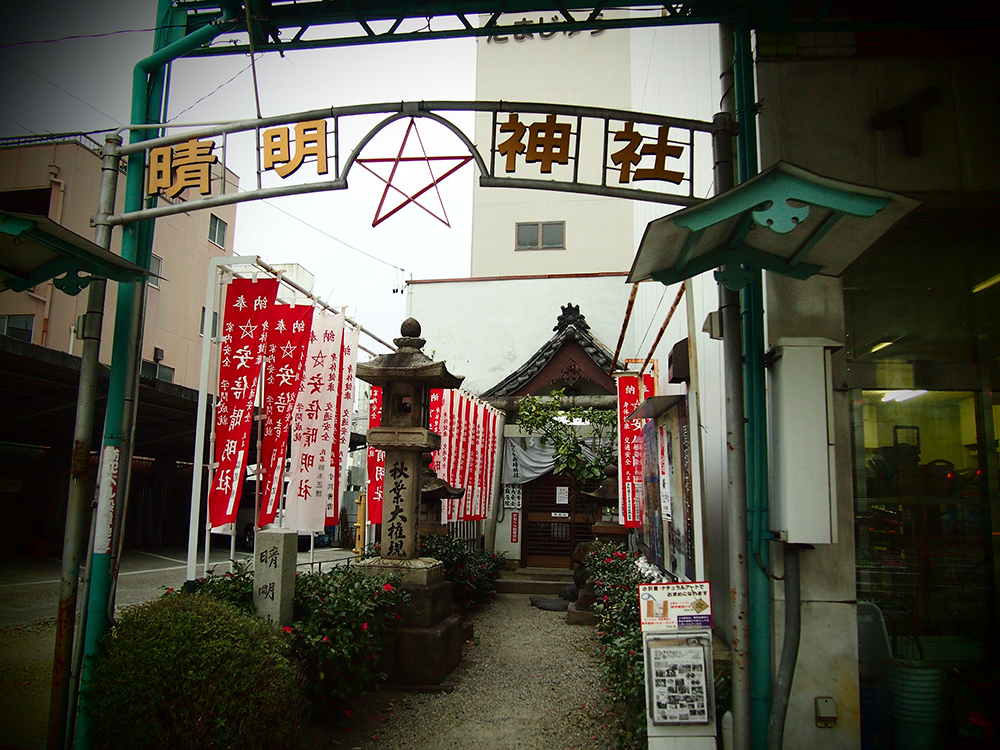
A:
(155, 267)
(217, 231)
(156, 371)
(215, 323)
(17, 326)
(546, 235)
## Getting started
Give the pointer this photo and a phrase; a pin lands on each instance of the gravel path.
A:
(527, 681)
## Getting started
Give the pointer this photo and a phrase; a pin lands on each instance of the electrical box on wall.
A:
(803, 508)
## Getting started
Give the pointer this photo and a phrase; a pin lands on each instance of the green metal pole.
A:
(147, 96)
(752, 303)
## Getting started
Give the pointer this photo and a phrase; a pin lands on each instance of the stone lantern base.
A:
(427, 646)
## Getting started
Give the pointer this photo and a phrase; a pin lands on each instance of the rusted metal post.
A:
(76, 506)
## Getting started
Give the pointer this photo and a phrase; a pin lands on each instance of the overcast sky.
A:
(84, 84)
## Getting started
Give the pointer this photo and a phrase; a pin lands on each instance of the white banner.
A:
(314, 427)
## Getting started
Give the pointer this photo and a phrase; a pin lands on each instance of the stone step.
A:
(544, 581)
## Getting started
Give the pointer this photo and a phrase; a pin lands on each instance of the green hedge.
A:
(193, 672)
(473, 574)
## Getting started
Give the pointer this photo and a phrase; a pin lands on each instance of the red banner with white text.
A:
(245, 325)
(630, 447)
(376, 460)
(288, 340)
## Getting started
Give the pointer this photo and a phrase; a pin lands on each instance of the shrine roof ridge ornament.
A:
(538, 139)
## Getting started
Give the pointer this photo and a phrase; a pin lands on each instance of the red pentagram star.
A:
(457, 162)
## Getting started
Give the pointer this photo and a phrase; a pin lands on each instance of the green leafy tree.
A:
(584, 439)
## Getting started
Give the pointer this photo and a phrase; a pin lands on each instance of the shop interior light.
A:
(904, 395)
(986, 284)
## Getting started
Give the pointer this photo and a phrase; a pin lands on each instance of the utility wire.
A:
(105, 114)
(210, 93)
(87, 36)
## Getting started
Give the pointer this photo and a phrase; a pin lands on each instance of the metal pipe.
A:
(752, 301)
(789, 649)
(735, 506)
(76, 506)
(124, 345)
(663, 329)
(621, 336)
(510, 403)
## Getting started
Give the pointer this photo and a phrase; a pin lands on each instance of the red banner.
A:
(245, 324)
(288, 339)
(630, 448)
(376, 460)
(342, 436)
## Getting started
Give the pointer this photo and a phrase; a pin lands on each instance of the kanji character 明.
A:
(230, 449)
(548, 143)
(307, 461)
(310, 139)
(513, 146)
(188, 162)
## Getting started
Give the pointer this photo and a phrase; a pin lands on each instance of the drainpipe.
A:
(789, 649)
(147, 95)
(736, 491)
(752, 303)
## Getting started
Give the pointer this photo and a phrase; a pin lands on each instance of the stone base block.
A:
(424, 656)
(421, 570)
(429, 605)
(577, 616)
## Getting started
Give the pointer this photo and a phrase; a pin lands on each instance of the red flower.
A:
(609, 560)
(287, 629)
(387, 587)
(364, 626)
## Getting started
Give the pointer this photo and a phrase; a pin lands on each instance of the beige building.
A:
(59, 177)
(62, 175)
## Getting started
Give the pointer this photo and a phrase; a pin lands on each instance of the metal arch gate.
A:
(634, 147)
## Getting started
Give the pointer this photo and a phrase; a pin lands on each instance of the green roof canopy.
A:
(34, 249)
(785, 220)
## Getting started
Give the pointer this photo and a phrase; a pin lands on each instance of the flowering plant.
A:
(617, 575)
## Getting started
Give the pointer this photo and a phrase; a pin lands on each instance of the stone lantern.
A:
(428, 642)
(406, 378)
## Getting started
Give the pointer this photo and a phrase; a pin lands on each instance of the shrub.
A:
(616, 582)
(343, 621)
(193, 672)
(234, 588)
(473, 574)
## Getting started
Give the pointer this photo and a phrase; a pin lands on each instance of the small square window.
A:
(549, 235)
(216, 231)
(155, 267)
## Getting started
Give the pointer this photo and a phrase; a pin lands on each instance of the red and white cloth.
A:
(630, 447)
(314, 426)
(376, 460)
(288, 340)
(246, 318)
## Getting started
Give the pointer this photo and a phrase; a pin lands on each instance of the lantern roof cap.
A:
(408, 363)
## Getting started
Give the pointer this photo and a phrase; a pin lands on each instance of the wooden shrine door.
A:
(553, 524)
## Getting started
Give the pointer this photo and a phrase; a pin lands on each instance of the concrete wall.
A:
(583, 69)
(173, 314)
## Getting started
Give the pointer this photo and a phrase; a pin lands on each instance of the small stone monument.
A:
(275, 556)
(429, 643)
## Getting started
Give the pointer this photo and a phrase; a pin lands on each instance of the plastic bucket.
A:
(916, 703)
